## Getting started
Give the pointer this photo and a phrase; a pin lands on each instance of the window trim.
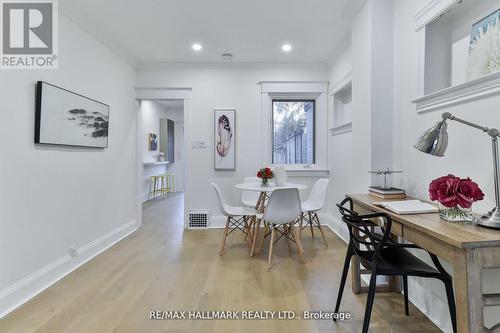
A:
(286, 100)
(317, 90)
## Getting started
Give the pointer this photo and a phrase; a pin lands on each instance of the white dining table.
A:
(265, 190)
(261, 203)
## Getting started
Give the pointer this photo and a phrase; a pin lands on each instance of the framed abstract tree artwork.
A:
(225, 139)
(63, 117)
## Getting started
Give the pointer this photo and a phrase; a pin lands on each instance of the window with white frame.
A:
(293, 137)
(294, 130)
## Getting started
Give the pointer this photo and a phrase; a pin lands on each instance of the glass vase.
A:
(455, 214)
(265, 182)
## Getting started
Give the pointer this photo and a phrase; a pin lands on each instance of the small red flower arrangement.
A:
(451, 191)
(265, 174)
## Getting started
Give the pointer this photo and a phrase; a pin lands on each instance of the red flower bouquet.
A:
(265, 174)
(456, 195)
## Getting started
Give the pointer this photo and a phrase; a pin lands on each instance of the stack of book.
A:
(387, 193)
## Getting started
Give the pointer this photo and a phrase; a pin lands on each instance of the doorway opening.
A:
(161, 147)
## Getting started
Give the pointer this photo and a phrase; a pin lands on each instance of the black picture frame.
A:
(100, 126)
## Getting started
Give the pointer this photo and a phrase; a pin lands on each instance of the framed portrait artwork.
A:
(225, 139)
(153, 141)
(63, 117)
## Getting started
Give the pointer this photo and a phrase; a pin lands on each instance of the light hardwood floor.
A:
(163, 267)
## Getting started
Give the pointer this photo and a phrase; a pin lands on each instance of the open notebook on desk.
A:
(405, 207)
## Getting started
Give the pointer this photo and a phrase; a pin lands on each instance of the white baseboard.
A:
(335, 225)
(25, 289)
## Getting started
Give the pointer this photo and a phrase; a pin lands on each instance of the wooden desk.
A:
(469, 248)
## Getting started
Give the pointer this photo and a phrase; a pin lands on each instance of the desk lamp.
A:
(434, 142)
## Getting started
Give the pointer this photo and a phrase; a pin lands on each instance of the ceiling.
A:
(252, 30)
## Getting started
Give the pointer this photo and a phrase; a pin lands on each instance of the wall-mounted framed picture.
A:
(153, 141)
(63, 117)
(225, 139)
(483, 48)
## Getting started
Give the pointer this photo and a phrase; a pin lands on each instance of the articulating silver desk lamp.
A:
(434, 142)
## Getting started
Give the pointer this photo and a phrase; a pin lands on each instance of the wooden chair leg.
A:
(221, 251)
(320, 229)
(255, 236)
(252, 226)
(266, 228)
(300, 250)
(301, 223)
(310, 224)
(270, 248)
(286, 233)
(245, 227)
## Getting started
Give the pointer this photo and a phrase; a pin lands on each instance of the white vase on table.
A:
(280, 176)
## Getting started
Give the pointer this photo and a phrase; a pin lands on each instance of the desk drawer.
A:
(397, 228)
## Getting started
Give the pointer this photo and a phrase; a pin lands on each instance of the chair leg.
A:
(451, 303)
(221, 251)
(270, 248)
(320, 229)
(255, 236)
(405, 292)
(266, 228)
(245, 227)
(310, 224)
(286, 231)
(300, 250)
(347, 261)
(301, 223)
(369, 301)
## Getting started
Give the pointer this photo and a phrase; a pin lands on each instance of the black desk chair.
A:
(383, 256)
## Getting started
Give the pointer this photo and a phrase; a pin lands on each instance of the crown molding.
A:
(433, 10)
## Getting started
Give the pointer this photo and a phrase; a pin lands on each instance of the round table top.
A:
(254, 186)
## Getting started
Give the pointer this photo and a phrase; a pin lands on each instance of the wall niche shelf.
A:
(483, 87)
(341, 129)
(155, 163)
(342, 101)
(444, 28)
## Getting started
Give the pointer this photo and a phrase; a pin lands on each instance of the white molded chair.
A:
(312, 205)
(250, 198)
(236, 218)
(283, 209)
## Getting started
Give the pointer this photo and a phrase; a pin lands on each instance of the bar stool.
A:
(153, 189)
(167, 181)
(171, 183)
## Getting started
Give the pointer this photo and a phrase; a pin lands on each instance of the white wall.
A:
(369, 145)
(340, 154)
(466, 147)
(151, 113)
(224, 86)
(55, 198)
